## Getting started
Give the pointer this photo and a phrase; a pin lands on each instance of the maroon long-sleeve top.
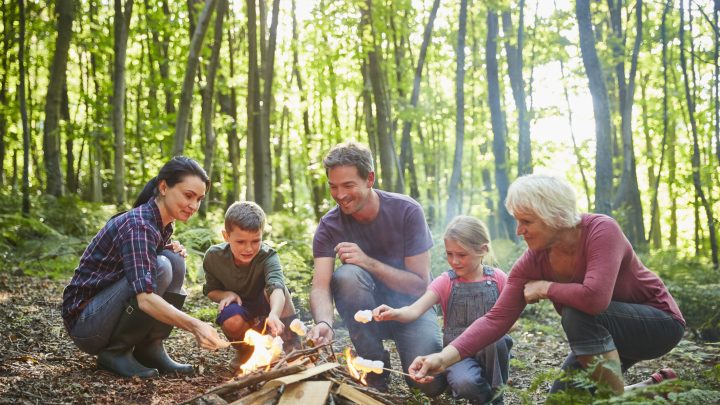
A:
(606, 270)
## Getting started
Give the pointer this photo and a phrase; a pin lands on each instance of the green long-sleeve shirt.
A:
(221, 272)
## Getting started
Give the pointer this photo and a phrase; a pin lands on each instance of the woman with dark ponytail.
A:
(127, 292)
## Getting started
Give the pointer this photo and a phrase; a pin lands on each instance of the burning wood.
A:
(297, 378)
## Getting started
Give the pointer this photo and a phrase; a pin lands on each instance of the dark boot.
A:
(129, 331)
(290, 339)
(151, 351)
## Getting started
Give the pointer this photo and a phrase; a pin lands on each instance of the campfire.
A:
(307, 376)
(266, 349)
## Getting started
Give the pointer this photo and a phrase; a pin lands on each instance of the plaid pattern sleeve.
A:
(139, 249)
(126, 247)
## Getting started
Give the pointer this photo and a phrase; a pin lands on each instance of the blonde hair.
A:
(550, 198)
(471, 233)
(245, 215)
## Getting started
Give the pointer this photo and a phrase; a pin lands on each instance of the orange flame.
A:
(358, 375)
(266, 350)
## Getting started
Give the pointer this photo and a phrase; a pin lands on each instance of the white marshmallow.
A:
(298, 327)
(364, 316)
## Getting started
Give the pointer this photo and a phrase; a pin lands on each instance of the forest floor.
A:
(40, 365)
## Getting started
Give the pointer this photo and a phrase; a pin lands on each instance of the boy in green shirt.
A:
(244, 276)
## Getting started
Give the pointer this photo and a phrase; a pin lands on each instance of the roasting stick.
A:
(397, 371)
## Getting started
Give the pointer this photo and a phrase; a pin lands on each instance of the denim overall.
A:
(468, 302)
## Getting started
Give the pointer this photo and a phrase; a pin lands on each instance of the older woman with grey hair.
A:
(615, 312)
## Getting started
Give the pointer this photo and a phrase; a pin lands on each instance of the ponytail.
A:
(149, 191)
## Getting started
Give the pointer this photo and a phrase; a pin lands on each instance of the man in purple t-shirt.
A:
(382, 241)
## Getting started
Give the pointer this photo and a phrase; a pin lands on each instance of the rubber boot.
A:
(151, 352)
(117, 357)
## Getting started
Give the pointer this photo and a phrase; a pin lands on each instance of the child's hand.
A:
(385, 313)
(228, 299)
(275, 325)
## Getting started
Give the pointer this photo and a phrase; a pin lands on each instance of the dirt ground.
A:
(40, 365)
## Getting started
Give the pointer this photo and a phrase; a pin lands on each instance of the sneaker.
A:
(663, 374)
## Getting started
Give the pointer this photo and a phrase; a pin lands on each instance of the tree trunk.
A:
(453, 202)
(228, 105)
(23, 113)
(254, 122)
(497, 118)
(185, 105)
(51, 127)
(695, 160)
(716, 82)
(601, 108)
(96, 151)
(654, 233)
(263, 162)
(386, 145)
(406, 151)
(3, 90)
(515, 69)
(628, 195)
(208, 96)
(283, 135)
(121, 26)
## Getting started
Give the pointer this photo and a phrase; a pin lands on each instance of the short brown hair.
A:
(350, 154)
(245, 215)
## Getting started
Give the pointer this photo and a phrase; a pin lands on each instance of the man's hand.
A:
(321, 333)
(536, 290)
(176, 247)
(275, 325)
(350, 253)
(229, 298)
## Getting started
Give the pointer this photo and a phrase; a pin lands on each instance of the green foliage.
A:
(696, 288)
(292, 238)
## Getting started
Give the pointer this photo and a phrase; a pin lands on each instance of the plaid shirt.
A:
(127, 246)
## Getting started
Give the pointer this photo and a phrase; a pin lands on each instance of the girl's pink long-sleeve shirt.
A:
(607, 269)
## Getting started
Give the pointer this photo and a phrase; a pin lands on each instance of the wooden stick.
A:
(248, 380)
(396, 371)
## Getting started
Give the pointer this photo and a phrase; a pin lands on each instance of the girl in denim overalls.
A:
(465, 293)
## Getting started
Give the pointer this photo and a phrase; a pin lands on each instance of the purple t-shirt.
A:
(398, 231)
(607, 269)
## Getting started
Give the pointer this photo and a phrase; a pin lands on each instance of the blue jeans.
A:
(354, 289)
(638, 332)
(92, 330)
(467, 378)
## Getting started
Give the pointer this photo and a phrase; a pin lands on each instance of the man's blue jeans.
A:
(92, 330)
(638, 332)
(354, 289)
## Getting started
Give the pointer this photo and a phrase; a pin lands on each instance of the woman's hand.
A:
(423, 368)
(275, 325)
(385, 313)
(228, 299)
(207, 337)
(176, 247)
(536, 290)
